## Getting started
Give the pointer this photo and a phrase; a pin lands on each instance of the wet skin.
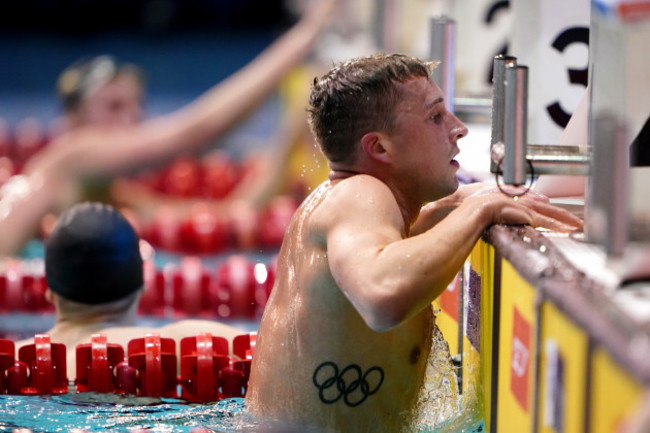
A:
(309, 321)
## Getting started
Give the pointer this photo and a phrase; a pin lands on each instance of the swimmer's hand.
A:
(434, 212)
(531, 208)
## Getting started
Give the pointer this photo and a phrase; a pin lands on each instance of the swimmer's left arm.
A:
(434, 212)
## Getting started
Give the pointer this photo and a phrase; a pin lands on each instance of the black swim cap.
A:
(92, 256)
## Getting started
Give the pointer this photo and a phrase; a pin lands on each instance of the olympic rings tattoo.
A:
(356, 392)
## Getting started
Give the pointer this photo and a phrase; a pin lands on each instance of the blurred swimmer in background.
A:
(103, 134)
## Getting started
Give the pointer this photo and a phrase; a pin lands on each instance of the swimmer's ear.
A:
(373, 145)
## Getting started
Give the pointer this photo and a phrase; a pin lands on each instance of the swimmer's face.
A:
(115, 103)
(426, 137)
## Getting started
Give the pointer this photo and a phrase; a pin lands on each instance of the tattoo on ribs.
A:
(351, 383)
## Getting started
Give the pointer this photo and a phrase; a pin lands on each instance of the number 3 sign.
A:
(551, 37)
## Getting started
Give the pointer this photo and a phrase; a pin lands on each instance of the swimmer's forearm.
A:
(432, 213)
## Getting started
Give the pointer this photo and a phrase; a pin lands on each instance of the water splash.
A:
(442, 409)
(439, 398)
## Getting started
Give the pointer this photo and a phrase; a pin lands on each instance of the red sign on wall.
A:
(520, 362)
(449, 298)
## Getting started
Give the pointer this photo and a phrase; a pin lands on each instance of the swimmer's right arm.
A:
(389, 277)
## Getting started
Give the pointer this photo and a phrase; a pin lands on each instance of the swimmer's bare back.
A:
(317, 362)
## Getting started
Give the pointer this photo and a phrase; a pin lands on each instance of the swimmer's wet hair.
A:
(93, 255)
(359, 96)
(87, 74)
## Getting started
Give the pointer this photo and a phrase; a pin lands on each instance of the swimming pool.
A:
(94, 412)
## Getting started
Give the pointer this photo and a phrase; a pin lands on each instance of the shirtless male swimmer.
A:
(363, 259)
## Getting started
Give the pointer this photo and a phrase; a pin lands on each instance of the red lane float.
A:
(191, 282)
(152, 301)
(23, 285)
(207, 372)
(46, 363)
(96, 362)
(202, 359)
(206, 230)
(154, 358)
(274, 221)
(236, 288)
(7, 360)
(243, 346)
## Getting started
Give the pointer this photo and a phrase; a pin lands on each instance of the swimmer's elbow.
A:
(384, 314)
(384, 322)
(381, 325)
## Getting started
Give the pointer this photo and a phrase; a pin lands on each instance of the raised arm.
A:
(389, 277)
(106, 151)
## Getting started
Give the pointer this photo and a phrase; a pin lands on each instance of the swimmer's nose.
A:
(459, 130)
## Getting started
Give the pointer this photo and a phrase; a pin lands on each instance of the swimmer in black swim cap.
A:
(94, 272)
(93, 243)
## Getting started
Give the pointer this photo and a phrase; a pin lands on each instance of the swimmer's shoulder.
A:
(353, 187)
(355, 196)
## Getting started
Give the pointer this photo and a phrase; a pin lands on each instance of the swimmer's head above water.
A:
(102, 90)
(359, 96)
(92, 256)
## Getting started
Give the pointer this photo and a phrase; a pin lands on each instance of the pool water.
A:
(445, 411)
(107, 412)
(94, 412)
